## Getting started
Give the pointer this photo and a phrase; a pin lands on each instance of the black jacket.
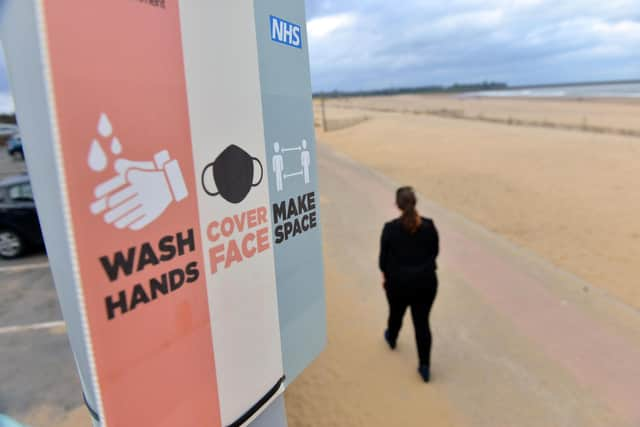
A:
(406, 258)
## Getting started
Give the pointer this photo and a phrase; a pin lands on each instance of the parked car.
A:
(14, 147)
(19, 225)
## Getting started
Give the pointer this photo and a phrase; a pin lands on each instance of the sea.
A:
(605, 90)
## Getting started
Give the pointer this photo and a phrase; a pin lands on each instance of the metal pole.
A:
(324, 117)
(274, 416)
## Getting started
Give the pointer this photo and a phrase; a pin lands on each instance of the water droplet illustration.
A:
(97, 157)
(116, 147)
(104, 126)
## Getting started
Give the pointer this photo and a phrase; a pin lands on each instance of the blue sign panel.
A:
(285, 32)
(291, 171)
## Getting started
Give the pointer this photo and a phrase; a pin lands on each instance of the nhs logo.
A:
(285, 32)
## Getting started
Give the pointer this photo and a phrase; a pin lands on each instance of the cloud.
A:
(622, 31)
(369, 44)
(319, 28)
(482, 19)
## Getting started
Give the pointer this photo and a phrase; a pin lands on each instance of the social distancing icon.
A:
(299, 156)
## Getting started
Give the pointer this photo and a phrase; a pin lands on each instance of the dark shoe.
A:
(387, 338)
(423, 370)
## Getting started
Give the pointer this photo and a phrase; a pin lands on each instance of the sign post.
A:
(171, 150)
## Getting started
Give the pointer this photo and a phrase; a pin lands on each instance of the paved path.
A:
(517, 342)
(38, 381)
(10, 166)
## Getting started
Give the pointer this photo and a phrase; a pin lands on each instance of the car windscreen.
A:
(20, 193)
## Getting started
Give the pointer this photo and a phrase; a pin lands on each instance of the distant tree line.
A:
(454, 88)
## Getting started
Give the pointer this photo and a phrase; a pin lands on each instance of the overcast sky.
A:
(368, 44)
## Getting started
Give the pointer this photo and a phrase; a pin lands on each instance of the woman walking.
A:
(408, 250)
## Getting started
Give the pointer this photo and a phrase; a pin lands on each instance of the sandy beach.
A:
(569, 196)
(603, 114)
(566, 197)
(517, 340)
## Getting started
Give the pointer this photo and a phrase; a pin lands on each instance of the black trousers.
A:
(420, 299)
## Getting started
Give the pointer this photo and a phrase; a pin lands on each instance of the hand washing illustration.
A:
(140, 191)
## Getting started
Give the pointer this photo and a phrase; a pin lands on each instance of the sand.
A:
(602, 113)
(357, 381)
(569, 196)
(54, 416)
(517, 342)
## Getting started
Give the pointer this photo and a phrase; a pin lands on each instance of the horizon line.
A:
(499, 86)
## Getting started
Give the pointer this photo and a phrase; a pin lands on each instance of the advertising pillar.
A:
(172, 155)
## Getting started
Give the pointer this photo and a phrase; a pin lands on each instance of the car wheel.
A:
(11, 244)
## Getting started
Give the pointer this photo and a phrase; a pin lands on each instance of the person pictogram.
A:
(278, 166)
(305, 159)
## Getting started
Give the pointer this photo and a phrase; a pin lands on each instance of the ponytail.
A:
(406, 201)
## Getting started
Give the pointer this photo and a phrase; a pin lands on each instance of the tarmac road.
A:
(38, 381)
(10, 166)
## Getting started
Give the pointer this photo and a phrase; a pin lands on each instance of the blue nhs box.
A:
(285, 32)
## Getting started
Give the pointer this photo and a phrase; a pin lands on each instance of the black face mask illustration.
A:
(231, 175)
